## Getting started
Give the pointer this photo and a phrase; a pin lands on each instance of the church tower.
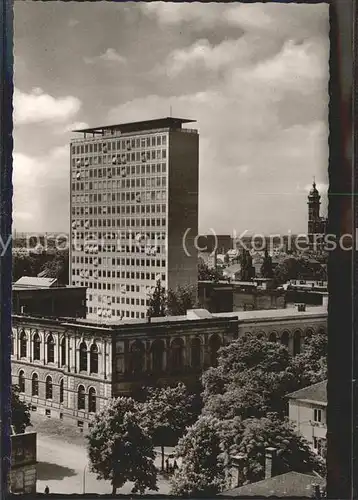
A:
(314, 202)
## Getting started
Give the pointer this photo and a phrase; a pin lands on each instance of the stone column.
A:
(31, 348)
(56, 357)
(44, 347)
(147, 363)
(72, 354)
(108, 360)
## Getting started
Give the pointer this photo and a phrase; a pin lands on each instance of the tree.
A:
(310, 366)
(166, 413)
(293, 452)
(266, 267)
(172, 302)
(298, 268)
(207, 274)
(157, 304)
(57, 266)
(120, 449)
(180, 300)
(247, 270)
(20, 411)
(251, 378)
(201, 473)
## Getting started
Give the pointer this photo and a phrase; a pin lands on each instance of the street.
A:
(63, 465)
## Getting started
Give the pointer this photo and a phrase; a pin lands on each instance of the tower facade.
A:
(134, 213)
(316, 223)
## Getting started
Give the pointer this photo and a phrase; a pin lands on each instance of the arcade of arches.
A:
(70, 370)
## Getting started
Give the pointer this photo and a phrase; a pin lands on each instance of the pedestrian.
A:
(167, 465)
(175, 465)
(47, 490)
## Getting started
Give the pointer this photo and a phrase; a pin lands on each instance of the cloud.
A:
(74, 126)
(202, 53)
(41, 193)
(170, 13)
(109, 56)
(73, 22)
(38, 107)
(275, 19)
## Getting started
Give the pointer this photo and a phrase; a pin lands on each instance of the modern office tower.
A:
(134, 213)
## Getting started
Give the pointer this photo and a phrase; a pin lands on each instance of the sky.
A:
(253, 76)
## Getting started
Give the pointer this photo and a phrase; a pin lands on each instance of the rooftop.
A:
(167, 122)
(32, 282)
(267, 314)
(316, 392)
(291, 484)
(192, 315)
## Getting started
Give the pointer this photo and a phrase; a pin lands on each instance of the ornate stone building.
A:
(69, 368)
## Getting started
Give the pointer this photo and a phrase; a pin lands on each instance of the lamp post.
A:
(84, 479)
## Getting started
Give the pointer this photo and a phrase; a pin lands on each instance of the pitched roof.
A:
(316, 392)
(291, 484)
(32, 282)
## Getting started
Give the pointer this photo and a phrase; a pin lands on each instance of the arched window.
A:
(92, 400)
(285, 338)
(81, 398)
(157, 355)
(49, 387)
(195, 353)
(37, 346)
(94, 358)
(35, 385)
(296, 343)
(309, 333)
(136, 357)
(23, 345)
(214, 346)
(22, 381)
(273, 337)
(83, 357)
(63, 351)
(61, 390)
(50, 349)
(177, 348)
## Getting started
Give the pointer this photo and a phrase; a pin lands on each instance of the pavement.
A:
(62, 462)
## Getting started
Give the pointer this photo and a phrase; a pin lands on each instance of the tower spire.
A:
(314, 181)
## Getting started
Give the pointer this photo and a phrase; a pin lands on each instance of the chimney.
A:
(270, 459)
(316, 492)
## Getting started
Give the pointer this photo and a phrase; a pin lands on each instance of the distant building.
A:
(308, 285)
(134, 213)
(233, 272)
(220, 243)
(234, 295)
(23, 463)
(317, 225)
(68, 368)
(308, 412)
(42, 297)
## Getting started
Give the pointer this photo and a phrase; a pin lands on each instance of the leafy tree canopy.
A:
(201, 472)
(20, 411)
(120, 449)
(251, 378)
(207, 274)
(172, 302)
(293, 452)
(310, 366)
